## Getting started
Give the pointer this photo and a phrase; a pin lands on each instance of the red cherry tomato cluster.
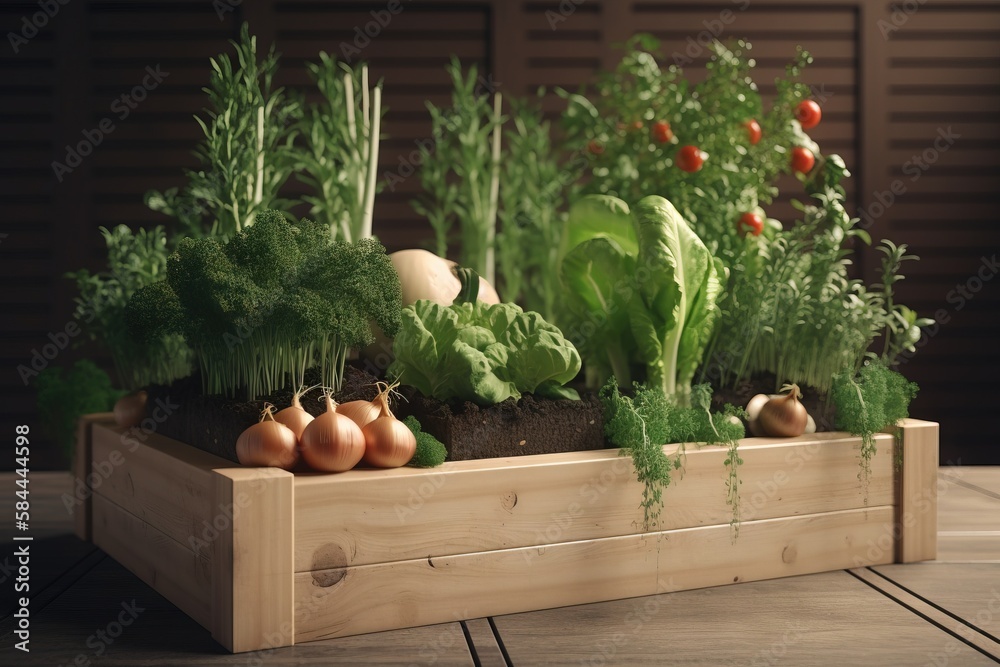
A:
(751, 223)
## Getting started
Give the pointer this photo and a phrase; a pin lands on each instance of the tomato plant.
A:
(808, 114)
(751, 223)
(723, 116)
(661, 132)
(802, 160)
(691, 158)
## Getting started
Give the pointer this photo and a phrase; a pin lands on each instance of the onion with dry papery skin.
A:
(130, 410)
(294, 416)
(784, 416)
(388, 441)
(332, 442)
(361, 413)
(267, 443)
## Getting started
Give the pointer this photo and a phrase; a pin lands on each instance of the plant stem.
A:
(491, 216)
(366, 228)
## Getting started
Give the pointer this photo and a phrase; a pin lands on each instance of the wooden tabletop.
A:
(86, 609)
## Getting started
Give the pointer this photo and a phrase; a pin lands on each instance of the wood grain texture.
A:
(484, 643)
(163, 482)
(363, 516)
(917, 510)
(82, 457)
(824, 620)
(346, 601)
(968, 594)
(968, 516)
(252, 597)
(175, 571)
(985, 478)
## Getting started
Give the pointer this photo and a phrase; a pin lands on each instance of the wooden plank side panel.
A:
(82, 460)
(252, 565)
(363, 517)
(175, 571)
(354, 600)
(165, 483)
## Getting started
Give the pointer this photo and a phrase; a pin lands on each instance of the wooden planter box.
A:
(264, 558)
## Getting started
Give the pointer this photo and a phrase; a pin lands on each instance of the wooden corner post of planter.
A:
(252, 565)
(917, 504)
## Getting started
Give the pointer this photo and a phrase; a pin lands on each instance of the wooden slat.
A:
(409, 513)
(918, 492)
(176, 572)
(346, 601)
(252, 564)
(163, 482)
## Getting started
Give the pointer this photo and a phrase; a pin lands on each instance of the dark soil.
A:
(214, 423)
(512, 428)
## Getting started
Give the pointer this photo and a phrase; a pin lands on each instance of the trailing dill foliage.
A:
(135, 260)
(869, 402)
(272, 301)
(641, 424)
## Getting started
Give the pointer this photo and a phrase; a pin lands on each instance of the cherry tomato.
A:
(691, 158)
(802, 160)
(808, 114)
(661, 132)
(751, 223)
(753, 129)
(595, 147)
(636, 124)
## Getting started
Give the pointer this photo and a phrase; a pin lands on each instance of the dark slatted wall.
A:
(28, 260)
(409, 54)
(942, 152)
(888, 93)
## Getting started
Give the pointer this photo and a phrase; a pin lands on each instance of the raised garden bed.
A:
(264, 558)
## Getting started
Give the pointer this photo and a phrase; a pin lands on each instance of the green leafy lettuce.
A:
(641, 289)
(484, 353)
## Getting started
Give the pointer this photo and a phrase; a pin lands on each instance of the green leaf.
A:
(600, 216)
(480, 352)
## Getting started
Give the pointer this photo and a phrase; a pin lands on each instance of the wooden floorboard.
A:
(968, 516)
(890, 615)
(985, 478)
(824, 619)
(968, 593)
